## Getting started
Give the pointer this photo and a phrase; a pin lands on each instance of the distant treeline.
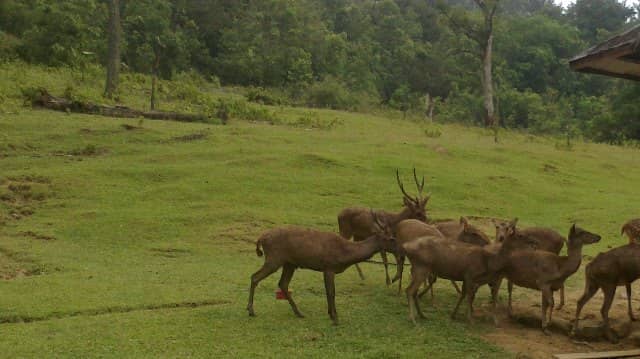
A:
(412, 55)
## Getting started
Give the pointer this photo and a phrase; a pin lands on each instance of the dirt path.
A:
(523, 337)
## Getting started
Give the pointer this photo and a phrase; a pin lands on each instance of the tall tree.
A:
(598, 19)
(113, 54)
(481, 33)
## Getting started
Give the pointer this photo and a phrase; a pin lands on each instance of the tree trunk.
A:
(154, 81)
(431, 105)
(113, 55)
(487, 82)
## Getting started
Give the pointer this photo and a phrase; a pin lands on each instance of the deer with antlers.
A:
(359, 222)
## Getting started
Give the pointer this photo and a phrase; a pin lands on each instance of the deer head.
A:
(577, 234)
(471, 234)
(417, 205)
(383, 231)
(504, 229)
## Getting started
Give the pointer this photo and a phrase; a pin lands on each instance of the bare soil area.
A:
(522, 336)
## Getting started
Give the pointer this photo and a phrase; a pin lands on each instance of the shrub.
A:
(331, 93)
(9, 46)
(265, 97)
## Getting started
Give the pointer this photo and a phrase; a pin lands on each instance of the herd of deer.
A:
(453, 250)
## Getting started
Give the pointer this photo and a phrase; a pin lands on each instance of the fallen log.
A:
(45, 100)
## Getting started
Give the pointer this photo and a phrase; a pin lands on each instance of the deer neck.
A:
(497, 260)
(573, 259)
(395, 218)
(360, 251)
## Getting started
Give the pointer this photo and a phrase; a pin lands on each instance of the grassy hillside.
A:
(138, 241)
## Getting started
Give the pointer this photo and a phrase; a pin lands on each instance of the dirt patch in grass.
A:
(38, 236)
(15, 265)
(503, 179)
(88, 151)
(549, 168)
(316, 160)
(128, 127)
(170, 252)
(522, 336)
(111, 310)
(196, 136)
(19, 196)
(243, 232)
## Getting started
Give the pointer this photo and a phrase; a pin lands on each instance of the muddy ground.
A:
(522, 336)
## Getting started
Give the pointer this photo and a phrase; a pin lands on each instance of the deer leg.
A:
(385, 261)
(359, 271)
(609, 293)
(631, 316)
(460, 298)
(547, 298)
(551, 304)
(589, 291)
(494, 300)
(509, 290)
(330, 288)
(429, 281)
(495, 289)
(285, 278)
(455, 285)
(561, 298)
(418, 275)
(266, 270)
(399, 271)
(471, 296)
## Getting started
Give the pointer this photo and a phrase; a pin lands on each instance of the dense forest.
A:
(425, 57)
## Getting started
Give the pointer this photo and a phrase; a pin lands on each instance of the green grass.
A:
(150, 237)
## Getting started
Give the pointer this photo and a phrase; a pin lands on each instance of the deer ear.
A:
(572, 231)
(514, 222)
(426, 199)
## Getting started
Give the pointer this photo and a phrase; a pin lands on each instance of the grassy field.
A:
(119, 242)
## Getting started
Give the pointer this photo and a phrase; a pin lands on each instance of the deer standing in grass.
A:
(535, 238)
(454, 260)
(544, 271)
(607, 271)
(410, 229)
(291, 248)
(359, 222)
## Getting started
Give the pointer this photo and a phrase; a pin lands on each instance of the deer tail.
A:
(258, 245)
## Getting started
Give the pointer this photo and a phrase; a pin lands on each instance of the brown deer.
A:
(454, 260)
(632, 230)
(293, 247)
(537, 238)
(618, 266)
(409, 230)
(544, 271)
(359, 224)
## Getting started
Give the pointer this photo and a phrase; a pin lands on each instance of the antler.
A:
(421, 185)
(402, 187)
(376, 220)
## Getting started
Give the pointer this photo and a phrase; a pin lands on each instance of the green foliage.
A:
(9, 47)
(356, 55)
(598, 19)
(265, 96)
(432, 132)
(331, 93)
